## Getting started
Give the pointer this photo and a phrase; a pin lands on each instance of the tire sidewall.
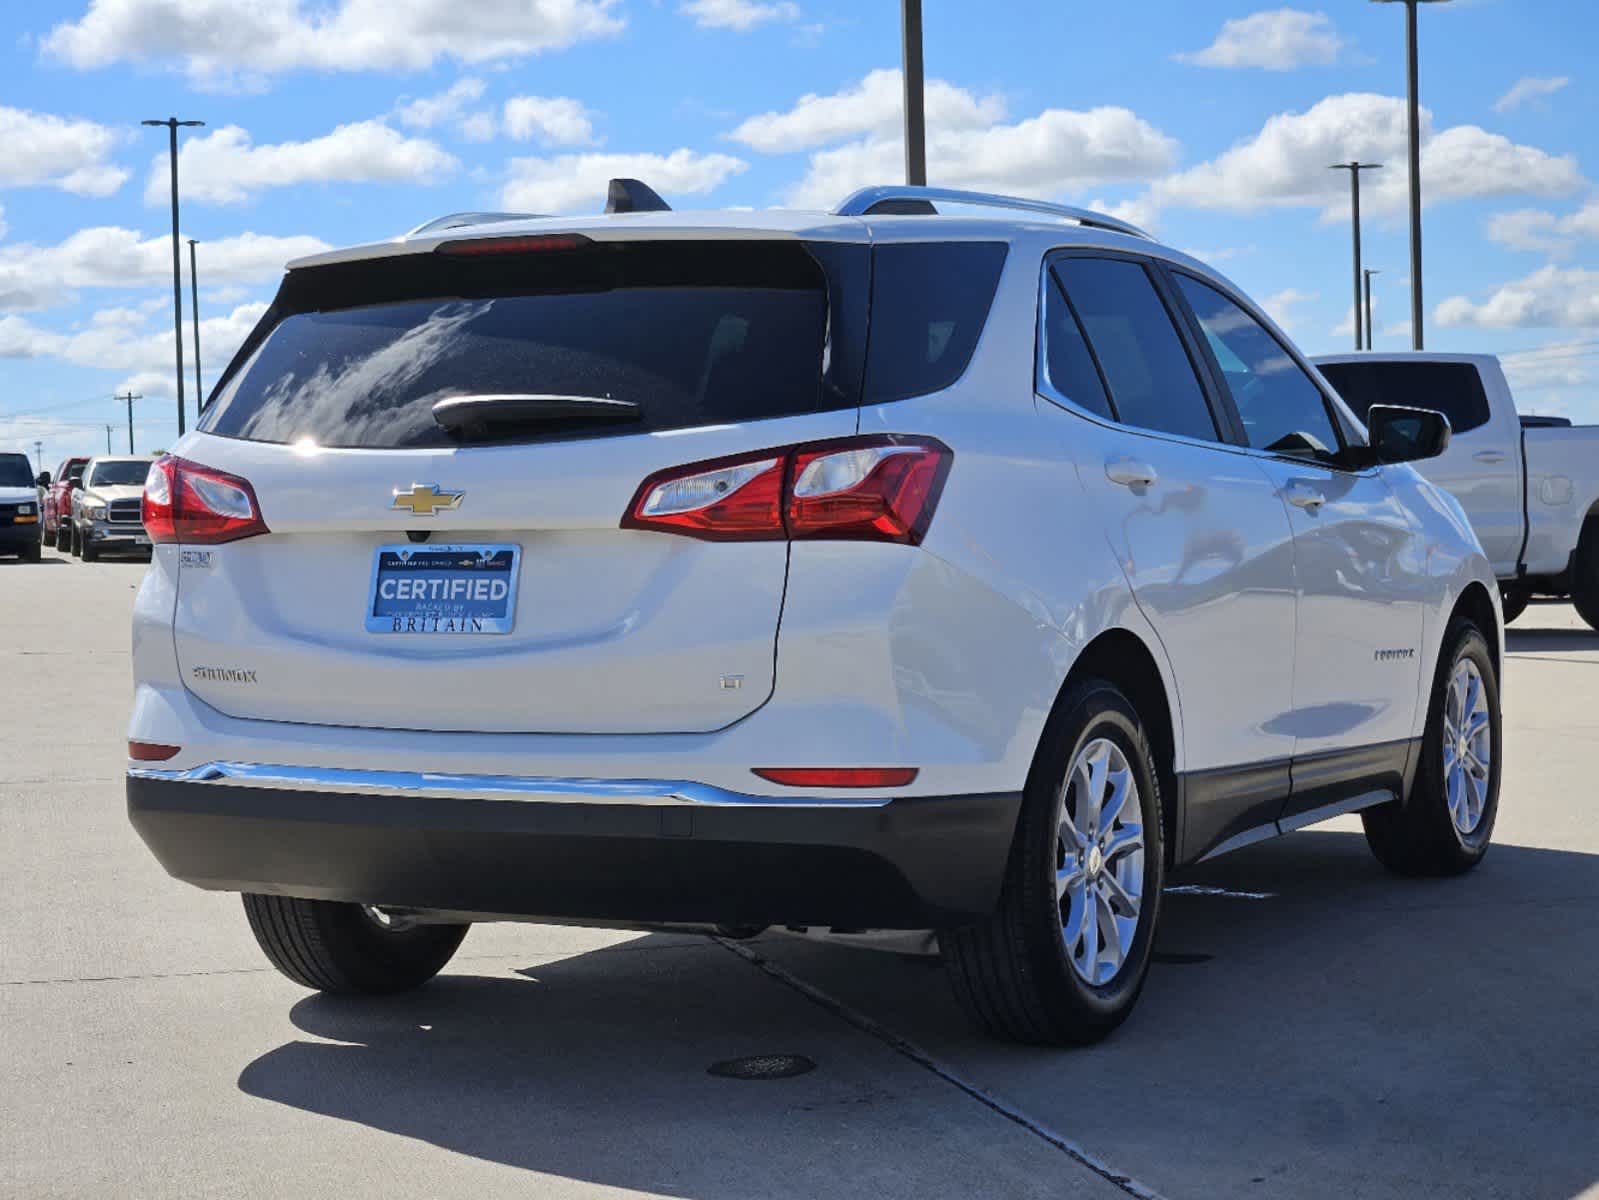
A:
(1100, 711)
(1465, 642)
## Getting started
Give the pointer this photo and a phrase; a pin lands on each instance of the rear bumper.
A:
(667, 853)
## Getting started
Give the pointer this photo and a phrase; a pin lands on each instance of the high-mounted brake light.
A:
(197, 505)
(838, 777)
(881, 488)
(537, 243)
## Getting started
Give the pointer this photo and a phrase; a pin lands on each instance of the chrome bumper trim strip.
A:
(528, 789)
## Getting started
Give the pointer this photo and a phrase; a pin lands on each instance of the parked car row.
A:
(91, 506)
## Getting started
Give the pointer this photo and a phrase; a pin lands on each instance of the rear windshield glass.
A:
(15, 471)
(930, 301)
(1454, 389)
(111, 474)
(693, 333)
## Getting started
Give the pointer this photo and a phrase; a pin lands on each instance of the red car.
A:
(58, 501)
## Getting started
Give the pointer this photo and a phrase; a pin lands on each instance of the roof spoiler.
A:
(630, 195)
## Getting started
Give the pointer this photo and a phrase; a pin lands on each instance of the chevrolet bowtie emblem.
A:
(425, 499)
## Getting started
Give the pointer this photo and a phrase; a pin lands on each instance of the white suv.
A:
(889, 568)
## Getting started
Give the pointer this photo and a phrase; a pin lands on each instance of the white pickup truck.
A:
(1530, 485)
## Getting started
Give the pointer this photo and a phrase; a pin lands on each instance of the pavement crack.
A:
(924, 1059)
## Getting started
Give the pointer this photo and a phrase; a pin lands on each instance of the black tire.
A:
(63, 537)
(32, 553)
(341, 949)
(87, 550)
(1585, 574)
(1514, 601)
(1013, 972)
(75, 547)
(1419, 836)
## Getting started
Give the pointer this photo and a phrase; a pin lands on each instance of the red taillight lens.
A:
(879, 488)
(838, 777)
(151, 751)
(198, 506)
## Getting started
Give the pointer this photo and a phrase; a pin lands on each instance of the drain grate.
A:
(762, 1066)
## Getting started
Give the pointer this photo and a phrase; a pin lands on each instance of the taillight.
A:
(151, 751)
(197, 506)
(878, 488)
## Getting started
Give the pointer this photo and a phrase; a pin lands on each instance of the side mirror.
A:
(44, 479)
(1400, 435)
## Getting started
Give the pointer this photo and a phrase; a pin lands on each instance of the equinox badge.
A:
(425, 499)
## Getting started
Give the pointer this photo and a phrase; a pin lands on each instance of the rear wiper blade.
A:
(477, 414)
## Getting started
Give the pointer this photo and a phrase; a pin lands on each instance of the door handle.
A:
(1130, 473)
(1307, 498)
(1489, 456)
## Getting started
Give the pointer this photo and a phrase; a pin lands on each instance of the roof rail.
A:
(894, 198)
(462, 219)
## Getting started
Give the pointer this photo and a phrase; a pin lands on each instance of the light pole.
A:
(38, 456)
(108, 430)
(1354, 169)
(172, 124)
(130, 397)
(194, 306)
(1370, 271)
(1416, 338)
(915, 118)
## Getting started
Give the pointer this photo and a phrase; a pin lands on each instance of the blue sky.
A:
(1212, 121)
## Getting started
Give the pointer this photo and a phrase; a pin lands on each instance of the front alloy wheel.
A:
(1444, 826)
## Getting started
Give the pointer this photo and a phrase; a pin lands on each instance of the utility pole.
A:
(1370, 271)
(172, 124)
(130, 397)
(38, 456)
(915, 113)
(194, 306)
(108, 429)
(1355, 168)
(1412, 58)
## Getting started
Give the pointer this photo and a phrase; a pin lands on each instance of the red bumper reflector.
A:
(151, 751)
(838, 777)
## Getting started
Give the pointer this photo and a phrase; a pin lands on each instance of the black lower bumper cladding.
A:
(913, 863)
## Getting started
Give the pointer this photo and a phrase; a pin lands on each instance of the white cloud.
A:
(1543, 232)
(34, 277)
(576, 182)
(742, 15)
(4, 228)
(551, 120)
(225, 166)
(1557, 364)
(1531, 88)
(1282, 306)
(44, 150)
(1551, 297)
(1285, 164)
(873, 106)
(221, 42)
(1277, 40)
(426, 112)
(1055, 152)
(118, 346)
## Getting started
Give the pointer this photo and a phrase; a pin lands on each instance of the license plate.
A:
(141, 539)
(462, 589)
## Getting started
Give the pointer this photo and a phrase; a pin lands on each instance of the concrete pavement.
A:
(1348, 1034)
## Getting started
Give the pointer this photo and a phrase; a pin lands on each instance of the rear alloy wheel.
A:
(1445, 826)
(349, 949)
(1064, 958)
(1585, 573)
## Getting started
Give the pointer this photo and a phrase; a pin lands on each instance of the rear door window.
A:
(693, 333)
(1068, 367)
(1454, 389)
(1281, 407)
(1151, 378)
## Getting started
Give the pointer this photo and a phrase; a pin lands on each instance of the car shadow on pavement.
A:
(1533, 641)
(1312, 1024)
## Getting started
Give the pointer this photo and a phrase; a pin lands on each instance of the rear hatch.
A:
(431, 571)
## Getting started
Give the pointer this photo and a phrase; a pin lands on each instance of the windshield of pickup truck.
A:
(15, 471)
(1454, 389)
(110, 474)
